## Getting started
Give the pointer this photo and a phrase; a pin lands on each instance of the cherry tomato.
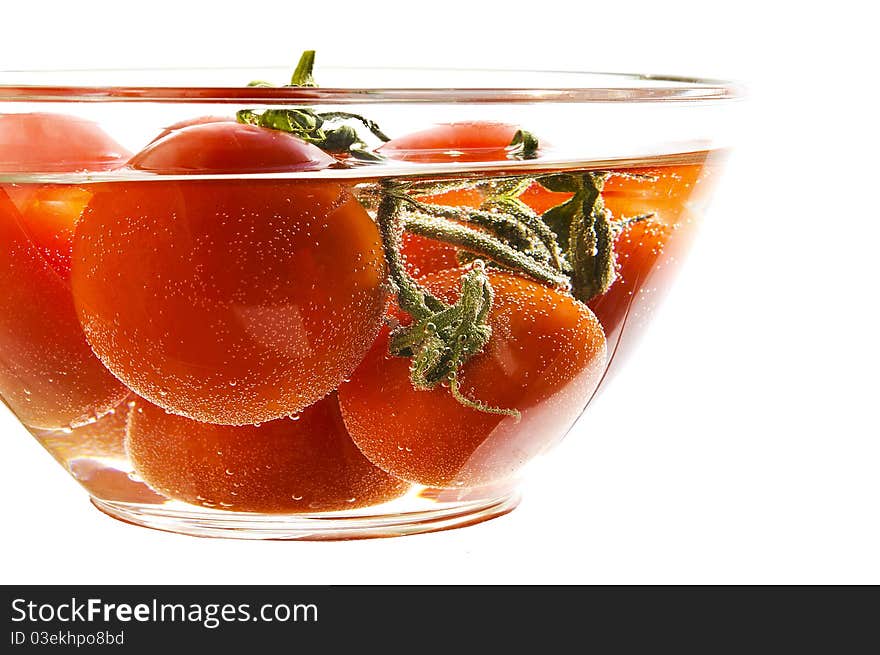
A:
(201, 120)
(648, 252)
(545, 358)
(229, 301)
(540, 199)
(55, 143)
(466, 141)
(48, 213)
(306, 463)
(228, 147)
(48, 374)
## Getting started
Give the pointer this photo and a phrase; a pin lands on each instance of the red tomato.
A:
(540, 199)
(545, 358)
(201, 120)
(648, 253)
(229, 301)
(304, 464)
(48, 374)
(465, 141)
(229, 147)
(55, 143)
(48, 213)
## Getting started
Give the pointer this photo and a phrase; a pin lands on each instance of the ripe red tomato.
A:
(229, 147)
(55, 143)
(48, 213)
(545, 358)
(466, 141)
(648, 253)
(304, 464)
(229, 301)
(48, 374)
(200, 120)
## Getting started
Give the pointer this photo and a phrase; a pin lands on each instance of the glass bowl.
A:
(353, 310)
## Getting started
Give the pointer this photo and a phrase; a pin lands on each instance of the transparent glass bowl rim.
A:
(617, 87)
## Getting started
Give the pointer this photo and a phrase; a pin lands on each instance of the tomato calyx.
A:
(327, 130)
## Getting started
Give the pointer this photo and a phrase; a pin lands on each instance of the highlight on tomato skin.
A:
(545, 358)
(230, 302)
(306, 463)
(471, 141)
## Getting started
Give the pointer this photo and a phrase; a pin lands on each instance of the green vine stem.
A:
(441, 337)
(505, 226)
(483, 244)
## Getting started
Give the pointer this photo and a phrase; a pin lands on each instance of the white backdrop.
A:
(740, 445)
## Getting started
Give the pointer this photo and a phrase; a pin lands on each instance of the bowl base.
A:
(232, 525)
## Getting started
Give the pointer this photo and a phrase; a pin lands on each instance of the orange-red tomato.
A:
(229, 302)
(306, 463)
(48, 213)
(200, 120)
(55, 143)
(648, 252)
(464, 142)
(545, 358)
(229, 147)
(48, 374)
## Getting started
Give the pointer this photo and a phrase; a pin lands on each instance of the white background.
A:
(740, 445)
